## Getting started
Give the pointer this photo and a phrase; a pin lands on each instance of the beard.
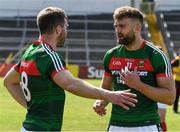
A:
(126, 40)
(61, 39)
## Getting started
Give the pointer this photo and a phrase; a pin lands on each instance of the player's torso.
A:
(45, 99)
(139, 61)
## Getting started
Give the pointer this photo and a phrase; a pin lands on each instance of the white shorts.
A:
(151, 128)
(161, 105)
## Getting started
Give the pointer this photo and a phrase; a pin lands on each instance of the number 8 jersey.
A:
(45, 99)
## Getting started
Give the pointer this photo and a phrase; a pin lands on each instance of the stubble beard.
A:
(127, 40)
(61, 40)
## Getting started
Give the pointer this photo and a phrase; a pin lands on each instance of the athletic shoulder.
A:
(153, 49)
(114, 49)
(159, 60)
(49, 60)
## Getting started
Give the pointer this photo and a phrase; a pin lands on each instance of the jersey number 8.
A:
(24, 84)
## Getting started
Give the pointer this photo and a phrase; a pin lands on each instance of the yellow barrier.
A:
(7, 61)
(74, 69)
(156, 34)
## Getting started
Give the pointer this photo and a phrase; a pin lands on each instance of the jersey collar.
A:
(39, 41)
(142, 44)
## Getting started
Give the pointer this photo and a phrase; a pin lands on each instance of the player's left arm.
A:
(167, 86)
(12, 83)
(164, 93)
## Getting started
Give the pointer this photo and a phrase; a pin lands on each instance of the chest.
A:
(138, 64)
(142, 66)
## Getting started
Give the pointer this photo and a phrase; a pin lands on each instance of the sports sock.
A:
(163, 126)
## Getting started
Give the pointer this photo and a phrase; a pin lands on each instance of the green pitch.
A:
(78, 116)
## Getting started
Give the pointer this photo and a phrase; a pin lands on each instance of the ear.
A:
(58, 29)
(137, 27)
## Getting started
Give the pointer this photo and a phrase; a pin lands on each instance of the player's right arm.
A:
(81, 88)
(99, 106)
(12, 83)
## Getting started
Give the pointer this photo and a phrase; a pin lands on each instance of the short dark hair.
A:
(49, 18)
(128, 12)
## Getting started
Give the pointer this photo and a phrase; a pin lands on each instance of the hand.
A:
(131, 79)
(99, 107)
(125, 99)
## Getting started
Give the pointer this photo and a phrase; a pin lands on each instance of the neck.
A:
(48, 39)
(136, 44)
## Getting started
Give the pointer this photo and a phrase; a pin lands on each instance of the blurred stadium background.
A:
(91, 31)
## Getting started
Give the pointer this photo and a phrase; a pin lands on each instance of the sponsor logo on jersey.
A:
(120, 63)
(116, 63)
(116, 72)
(142, 73)
(140, 65)
(29, 67)
(24, 64)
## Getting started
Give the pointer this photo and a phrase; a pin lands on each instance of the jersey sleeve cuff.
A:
(163, 75)
(55, 72)
(107, 74)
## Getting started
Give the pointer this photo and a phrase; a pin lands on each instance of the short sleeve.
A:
(161, 64)
(51, 64)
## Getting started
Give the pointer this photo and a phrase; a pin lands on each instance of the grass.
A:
(78, 116)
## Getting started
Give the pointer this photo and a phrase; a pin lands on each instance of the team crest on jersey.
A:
(141, 64)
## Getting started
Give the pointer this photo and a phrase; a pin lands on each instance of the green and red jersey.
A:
(150, 63)
(45, 99)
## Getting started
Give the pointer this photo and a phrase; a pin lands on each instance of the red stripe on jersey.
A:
(131, 63)
(55, 72)
(39, 41)
(107, 74)
(161, 75)
(143, 44)
(29, 67)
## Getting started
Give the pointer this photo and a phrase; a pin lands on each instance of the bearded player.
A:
(138, 65)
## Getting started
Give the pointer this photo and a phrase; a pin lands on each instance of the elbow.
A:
(172, 95)
(171, 98)
(72, 89)
(73, 86)
(170, 102)
(69, 88)
(7, 82)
